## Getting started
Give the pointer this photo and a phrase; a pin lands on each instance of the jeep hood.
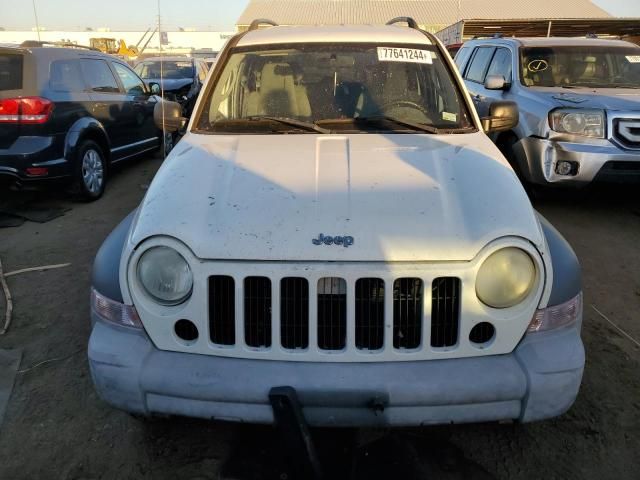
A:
(409, 197)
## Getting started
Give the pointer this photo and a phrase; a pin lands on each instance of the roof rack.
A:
(261, 21)
(36, 43)
(408, 20)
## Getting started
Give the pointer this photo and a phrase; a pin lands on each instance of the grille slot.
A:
(407, 313)
(257, 311)
(332, 313)
(294, 312)
(445, 311)
(369, 313)
(222, 310)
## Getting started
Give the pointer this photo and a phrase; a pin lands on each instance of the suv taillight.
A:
(25, 110)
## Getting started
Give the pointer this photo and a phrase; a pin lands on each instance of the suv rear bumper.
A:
(539, 379)
(34, 152)
(596, 162)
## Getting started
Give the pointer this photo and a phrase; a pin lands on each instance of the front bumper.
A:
(601, 160)
(540, 379)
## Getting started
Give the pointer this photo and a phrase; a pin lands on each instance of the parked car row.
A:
(579, 104)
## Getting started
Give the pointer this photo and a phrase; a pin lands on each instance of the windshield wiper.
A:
(292, 122)
(421, 127)
(404, 123)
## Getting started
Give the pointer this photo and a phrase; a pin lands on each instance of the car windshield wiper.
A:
(292, 122)
(421, 127)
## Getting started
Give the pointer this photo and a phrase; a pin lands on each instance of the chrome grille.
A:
(222, 310)
(445, 306)
(257, 311)
(627, 131)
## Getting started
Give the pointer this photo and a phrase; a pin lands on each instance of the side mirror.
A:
(495, 82)
(503, 116)
(168, 116)
(155, 88)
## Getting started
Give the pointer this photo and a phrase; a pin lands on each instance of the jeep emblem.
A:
(346, 241)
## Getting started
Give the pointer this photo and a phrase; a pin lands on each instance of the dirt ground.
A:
(56, 427)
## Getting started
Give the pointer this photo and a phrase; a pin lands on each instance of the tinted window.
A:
(10, 72)
(98, 75)
(501, 64)
(132, 83)
(66, 76)
(479, 63)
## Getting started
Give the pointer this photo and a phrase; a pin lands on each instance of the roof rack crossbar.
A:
(408, 20)
(37, 43)
(261, 21)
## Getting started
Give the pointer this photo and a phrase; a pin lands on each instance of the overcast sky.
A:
(141, 14)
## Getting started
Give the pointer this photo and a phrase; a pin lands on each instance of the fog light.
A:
(564, 167)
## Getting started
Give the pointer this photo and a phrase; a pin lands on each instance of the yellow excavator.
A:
(110, 45)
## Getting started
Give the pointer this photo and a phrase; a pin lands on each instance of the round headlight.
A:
(165, 275)
(505, 278)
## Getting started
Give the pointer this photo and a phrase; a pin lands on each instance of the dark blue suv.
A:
(70, 113)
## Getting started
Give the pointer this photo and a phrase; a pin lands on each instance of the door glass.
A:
(98, 76)
(66, 76)
(501, 64)
(479, 63)
(132, 83)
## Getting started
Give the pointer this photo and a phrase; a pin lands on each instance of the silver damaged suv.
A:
(579, 103)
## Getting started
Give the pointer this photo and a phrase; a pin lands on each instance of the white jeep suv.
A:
(336, 220)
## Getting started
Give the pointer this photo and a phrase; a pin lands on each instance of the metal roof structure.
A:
(432, 15)
(540, 27)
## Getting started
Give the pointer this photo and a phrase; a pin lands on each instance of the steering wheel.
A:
(405, 103)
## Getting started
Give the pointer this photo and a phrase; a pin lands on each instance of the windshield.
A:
(359, 88)
(168, 69)
(574, 66)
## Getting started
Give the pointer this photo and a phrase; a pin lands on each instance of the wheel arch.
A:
(87, 128)
(567, 274)
(106, 266)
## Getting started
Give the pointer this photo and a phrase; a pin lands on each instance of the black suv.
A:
(70, 113)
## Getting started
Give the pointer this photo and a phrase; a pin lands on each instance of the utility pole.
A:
(159, 30)
(35, 14)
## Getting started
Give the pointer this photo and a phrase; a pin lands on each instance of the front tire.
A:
(90, 171)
